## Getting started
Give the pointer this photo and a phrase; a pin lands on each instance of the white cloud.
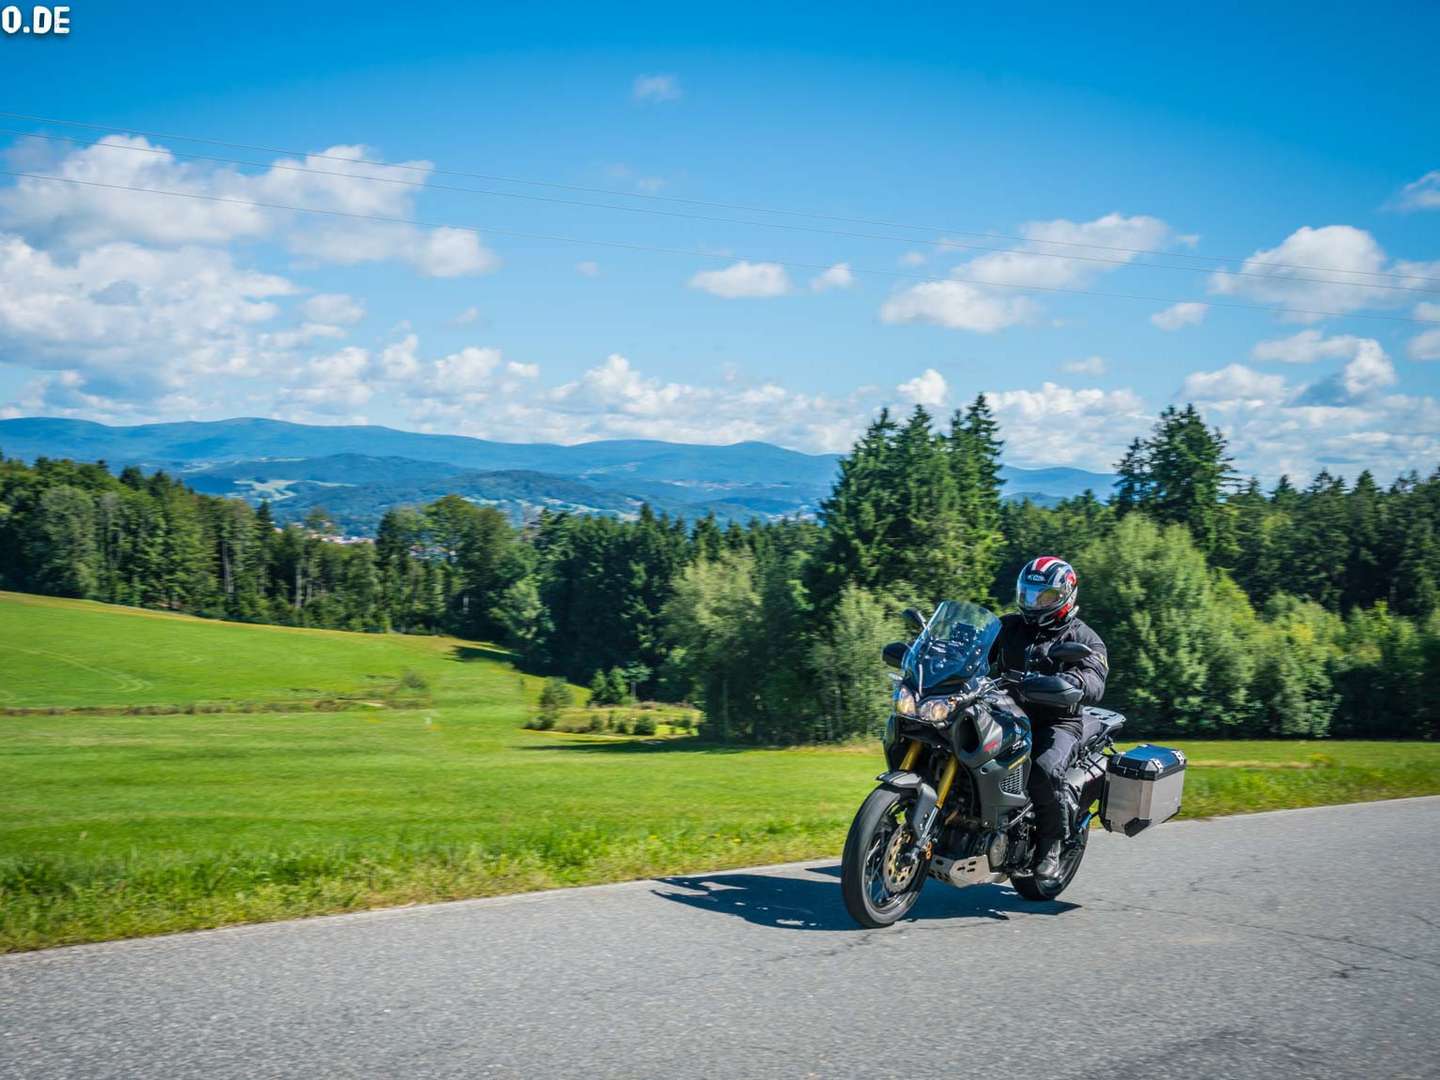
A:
(588, 268)
(1369, 371)
(838, 276)
(1425, 345)
(463, 372)
(1347, 422)
(1058, 425)
(341, 179)
(1234, 387)
(743, 280)
(656, 88)
(1091, 365)
(134, 325)
(1057, 254)
(466, 317)
(333, 308)
(1048, 258)
(1422, 194)
(400, 360)
(305, 334)
(1337, 268)
(523, 371)
(1368, 368)
(957, 306)
(441, 253)
(448, 252)
(1305, 348)
(1187, 313)
(914, 258)
(928, 388)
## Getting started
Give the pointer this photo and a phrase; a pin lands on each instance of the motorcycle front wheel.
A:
(877, 886)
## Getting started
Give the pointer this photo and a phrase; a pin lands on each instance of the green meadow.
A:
(162, 773)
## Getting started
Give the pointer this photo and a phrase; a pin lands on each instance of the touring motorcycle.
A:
(953, 804)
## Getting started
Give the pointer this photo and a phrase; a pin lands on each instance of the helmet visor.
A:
(1039, 597)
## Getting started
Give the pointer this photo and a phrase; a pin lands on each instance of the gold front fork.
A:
(912, 754)
(947, 777)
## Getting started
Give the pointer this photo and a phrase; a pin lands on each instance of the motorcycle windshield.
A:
(955, 645)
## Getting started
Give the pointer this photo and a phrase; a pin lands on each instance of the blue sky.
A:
(1227, 140)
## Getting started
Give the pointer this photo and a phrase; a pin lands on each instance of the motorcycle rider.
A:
(1046, 596)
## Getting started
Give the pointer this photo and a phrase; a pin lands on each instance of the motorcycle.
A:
(953, 804)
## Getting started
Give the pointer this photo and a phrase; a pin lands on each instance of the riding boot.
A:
(1048, 868)
(1051, 843)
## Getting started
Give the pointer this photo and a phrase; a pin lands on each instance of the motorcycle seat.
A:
(1098, 724)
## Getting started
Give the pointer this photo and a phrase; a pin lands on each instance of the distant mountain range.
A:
(358, 472)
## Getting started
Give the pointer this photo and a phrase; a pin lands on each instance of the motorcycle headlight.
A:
(905, 701)
(935, 710)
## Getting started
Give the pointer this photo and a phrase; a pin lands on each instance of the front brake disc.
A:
(897, 876)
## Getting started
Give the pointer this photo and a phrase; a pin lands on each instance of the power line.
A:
(690, 253)
(422, 184)
(749, 208)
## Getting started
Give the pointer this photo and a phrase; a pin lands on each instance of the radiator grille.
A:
(1013, 782)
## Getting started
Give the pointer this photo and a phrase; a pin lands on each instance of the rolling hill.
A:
(358, 472)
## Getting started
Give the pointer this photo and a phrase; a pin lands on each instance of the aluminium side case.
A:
(1142, 788)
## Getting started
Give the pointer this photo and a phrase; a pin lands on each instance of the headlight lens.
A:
(935, 710)
(905, 701)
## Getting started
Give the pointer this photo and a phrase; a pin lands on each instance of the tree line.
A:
(1228, 610)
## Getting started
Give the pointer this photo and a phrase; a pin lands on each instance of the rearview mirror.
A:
(914, 619)
(1070, 652)
(894, 653)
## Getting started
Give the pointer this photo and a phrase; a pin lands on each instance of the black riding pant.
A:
(1052, 754)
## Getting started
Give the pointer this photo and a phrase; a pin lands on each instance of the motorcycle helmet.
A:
(1046, 592)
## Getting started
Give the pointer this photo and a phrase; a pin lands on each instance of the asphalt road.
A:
(1296, 944)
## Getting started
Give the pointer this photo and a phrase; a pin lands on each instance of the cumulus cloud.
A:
(1188, 313)
(1346, 422)
(838, 276)
(1336, 268)
(1059, 425)
(440, 253)
(1426, 344)
(1235, 386)
(656, 88)
(466, 317)
(1046, 259)
(743, 280)
(956, 306)
(74, 217)
(928, 388)
(123, 315)
(1422, 194)
(1091, 365)
(1305, 348)
(333, 308)
(971, 299)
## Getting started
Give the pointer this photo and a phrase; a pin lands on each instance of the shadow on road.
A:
(812, 901)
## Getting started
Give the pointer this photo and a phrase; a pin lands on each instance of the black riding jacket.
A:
(1023, 647)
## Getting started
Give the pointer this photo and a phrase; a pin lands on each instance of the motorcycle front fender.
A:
(900, 780)
(925, 795)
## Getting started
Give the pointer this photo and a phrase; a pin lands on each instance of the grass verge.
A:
(119, 825)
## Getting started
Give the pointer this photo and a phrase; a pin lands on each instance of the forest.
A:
(1302, 611)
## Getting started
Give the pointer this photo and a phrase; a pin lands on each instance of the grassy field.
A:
(369, 786)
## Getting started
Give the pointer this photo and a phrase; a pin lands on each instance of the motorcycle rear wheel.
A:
(1032, 888)
(863, 878)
